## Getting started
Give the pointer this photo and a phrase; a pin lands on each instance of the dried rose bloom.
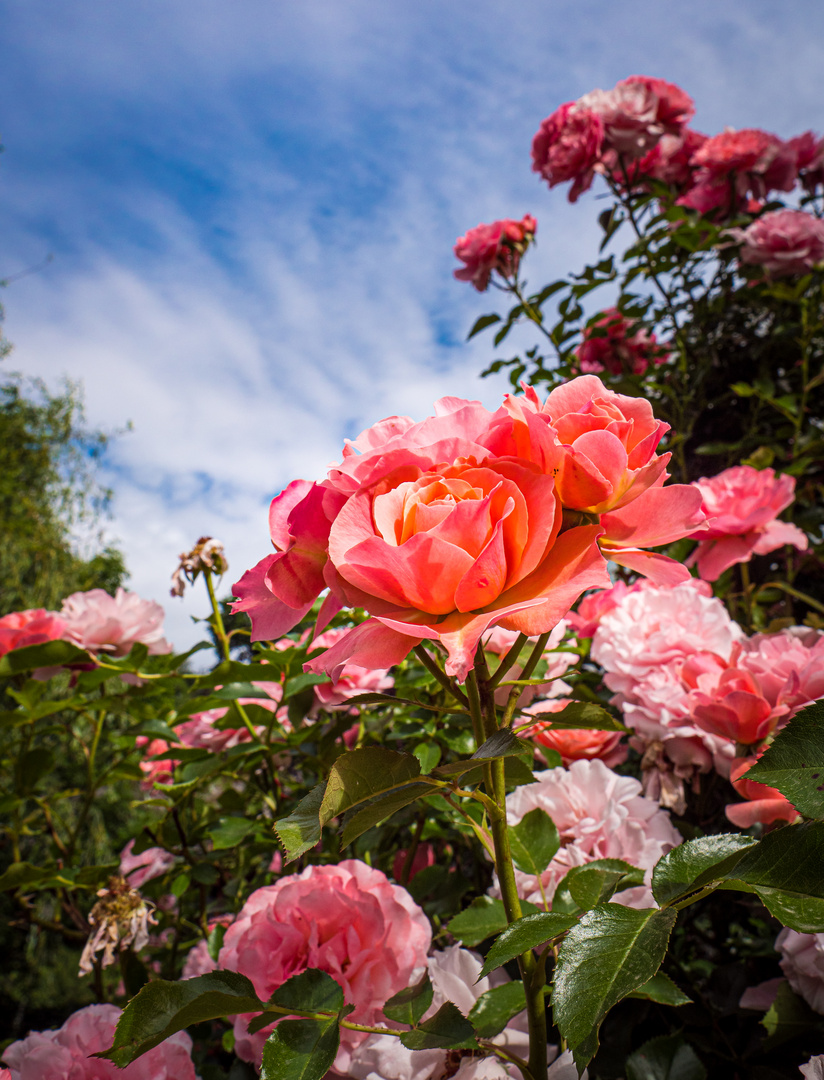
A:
(119, 920)
(207, 554)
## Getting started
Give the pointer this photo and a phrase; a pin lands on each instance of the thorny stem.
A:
(448, 684)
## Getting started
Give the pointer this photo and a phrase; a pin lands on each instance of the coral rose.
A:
(802, 961)
(347, 920)
(783, 242)
(764, 804)
(64, 1054)
(742, 505)
(615, 344)
(431, 531)
(599, 815)
(567, 146)
(809, 155)
(33, 627)
(498, 247)
(573, 744)
(789, 665)
(726, 699)
(113, 624)
(735, 164)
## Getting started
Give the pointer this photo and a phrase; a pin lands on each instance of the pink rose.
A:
(669, 161)
(809, 153)
(625, 348)
(567, 146)
(113, 624)
(494, 248)
(348, 920)
(726, 699)
(783, 242)
(736, 164)
(151, 863)
(352, 681)
(764, 804)
(637, 112)
(599, 815)
(155, 769)
(64, 1054)
(431, 531)
(742, 505)
(200, 730)
(814, 1069)
(594, 606)
(802, 961)
(33, 627)
(789, 665)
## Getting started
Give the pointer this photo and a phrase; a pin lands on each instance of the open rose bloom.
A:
(495, 248)
(33, 627)
(113, 624)
(783, 242)
(446, 528)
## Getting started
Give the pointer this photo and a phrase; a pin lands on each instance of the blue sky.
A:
(252, 206)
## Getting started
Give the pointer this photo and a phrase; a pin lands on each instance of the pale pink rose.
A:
(586, 619)
(742, 505)
(352, 681)
(783, 242)
(151, 863)
(809, 151)
(802, 961)
(814, 1069)
(643, 644)
(637, 112)
(622, 346)
(737, 165)
(599, 815)
(434, 534)
(64, 1054)
(33, 627)
(200, 730)
(454, 975)
(567, 146)
(574, 744)
(764, 804)
(727, 700)
(495, 248)
(348, 920)
(789, 665)
(113, 624)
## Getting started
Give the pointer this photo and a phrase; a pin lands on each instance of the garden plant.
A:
(509, 760)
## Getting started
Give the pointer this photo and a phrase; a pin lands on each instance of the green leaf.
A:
(162, 1008)
(794, 763)
(22, 875)
(32, 767)
(300, 1050)
(49, 654)
(303, 682)
(502, 744)
(786, 870)
(534, 841)
(356, 822)
(362, 774)
(231, 831)
(301, 829)
(583, 887)
(611, 952)
(448, 1029)
(493, 1010)
(408, 1006)
(481, 324)
(695, 863)
(666, 1057)
(662, 990)
(525, 933)
(214, 942)
(584, 714)
(483, 919)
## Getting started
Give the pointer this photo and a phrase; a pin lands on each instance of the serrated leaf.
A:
(612, 951)
(363, 774)
(583, 714)
(49, 654)
(409, 1005)
(662, 990)
(697, 862)
(794, 763)
(525, 933)
(534, 841)
(666, 1057)
(356, 822)
(162, 1008)
(448, 1029)
(481, 324)
(494, 1009)
(301, 829)
(484, 918)
(300, 1050)
(786, 871)
(583, 887)
(502, 744)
